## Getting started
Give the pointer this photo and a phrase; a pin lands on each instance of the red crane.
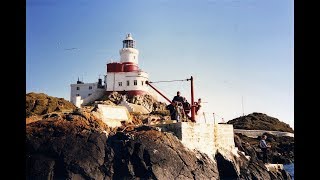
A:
(193, 104)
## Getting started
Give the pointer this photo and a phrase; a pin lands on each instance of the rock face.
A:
(281, 151)
(150, 154)
(40, 104)
(67, 146)
(79, 147)
(255, 168)
(237, 166)
(260, 121)
(146, 100)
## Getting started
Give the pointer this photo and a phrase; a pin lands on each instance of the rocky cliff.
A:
(260, 121)
(281, 151)
(73, 146)
(40, 104)
(78, 145)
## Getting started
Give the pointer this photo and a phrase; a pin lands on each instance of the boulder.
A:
(260, 121)
(40, 104)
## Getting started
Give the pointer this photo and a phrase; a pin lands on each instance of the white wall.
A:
(129, 55)
(207, 138)
(224, 136)
(112, 115)
(77, 101)
(256, 133)
(113, 80)
(199, 136)
(84, 90)
(98, 93)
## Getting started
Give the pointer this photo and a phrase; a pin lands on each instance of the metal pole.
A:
(193, 111)
(242, 107)
(147, 82)
(214, 119)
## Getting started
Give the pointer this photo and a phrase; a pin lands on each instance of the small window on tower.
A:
(78, 88)
(120, 83)
(142, 83)
(135, 82)
(90, 87)
(128, 83)
(77, 94)
(134, 57)
(89, 94)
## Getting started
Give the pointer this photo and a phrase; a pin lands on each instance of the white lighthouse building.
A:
(124, 77)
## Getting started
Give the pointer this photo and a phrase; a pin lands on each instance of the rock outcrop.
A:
(79, 145)
(260, 121)
(149, 154)
(145, 100)
(76, 147)
(240, 168)
(40, 104)
(235, 165)
(281, 151)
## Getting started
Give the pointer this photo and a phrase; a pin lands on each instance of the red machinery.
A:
(193, 104)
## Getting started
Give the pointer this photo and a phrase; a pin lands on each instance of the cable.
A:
(168, 81)
(162, 91)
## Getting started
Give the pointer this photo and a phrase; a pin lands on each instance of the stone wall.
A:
(112, 115)
(77, 101)
(174, 128)
(206, 138)
(256, 133)
(199, 136)
(224, 136)
(98, 93)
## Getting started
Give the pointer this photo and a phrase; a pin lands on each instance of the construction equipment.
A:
(180, 108)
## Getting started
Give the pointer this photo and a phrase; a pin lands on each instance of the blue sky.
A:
(234, 49)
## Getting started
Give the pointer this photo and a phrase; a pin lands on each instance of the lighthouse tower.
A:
(129, 53)
(125, 76)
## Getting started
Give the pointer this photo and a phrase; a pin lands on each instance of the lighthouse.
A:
(125, 76)
(129, 53)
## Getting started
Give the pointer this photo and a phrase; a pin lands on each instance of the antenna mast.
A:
(242, 105)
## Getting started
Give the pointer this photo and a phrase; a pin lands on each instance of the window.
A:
(78, 88)
(77, 94)
(142, 83)
(89, 94)
(128, 83)
(135, 82)
(120, 83)
(90, 87)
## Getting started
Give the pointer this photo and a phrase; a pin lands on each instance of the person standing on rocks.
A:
(178, 102)
(264, 147)
(198, 105)
(186, 107)
(177, 98)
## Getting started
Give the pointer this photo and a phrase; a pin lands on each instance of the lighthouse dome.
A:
(129, 37)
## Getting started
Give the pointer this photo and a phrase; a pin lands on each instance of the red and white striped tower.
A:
(125, 76)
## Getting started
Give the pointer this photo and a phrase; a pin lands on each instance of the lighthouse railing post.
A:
(193, 111)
